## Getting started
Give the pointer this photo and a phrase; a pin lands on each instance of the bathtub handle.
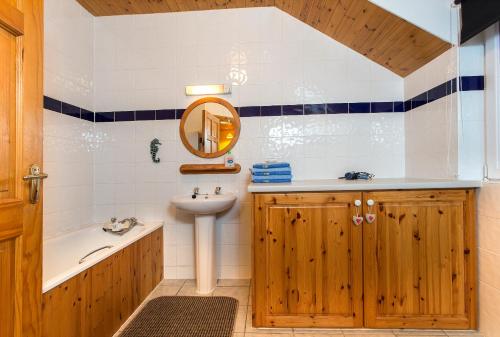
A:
(82, 260)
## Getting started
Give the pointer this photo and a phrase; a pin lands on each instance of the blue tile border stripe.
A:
(466, 83)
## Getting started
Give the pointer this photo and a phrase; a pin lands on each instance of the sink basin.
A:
(204, 204)
(205, 207)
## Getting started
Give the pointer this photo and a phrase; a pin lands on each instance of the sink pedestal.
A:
(206, 270)
(205, 207)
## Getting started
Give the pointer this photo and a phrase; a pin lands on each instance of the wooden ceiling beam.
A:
(359, 24)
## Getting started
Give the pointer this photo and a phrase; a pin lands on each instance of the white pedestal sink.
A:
(205, 207)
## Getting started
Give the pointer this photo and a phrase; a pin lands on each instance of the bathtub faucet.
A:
(133, 221)
(121, 227)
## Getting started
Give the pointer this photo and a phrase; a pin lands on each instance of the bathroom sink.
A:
(205, 207)
(204, 204)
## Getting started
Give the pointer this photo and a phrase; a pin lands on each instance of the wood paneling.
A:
(11, 18)
(359, 24)
(307, 261)
(99, 300)
(124, 7)
(418, 273)
(21, 65)
(7, 286)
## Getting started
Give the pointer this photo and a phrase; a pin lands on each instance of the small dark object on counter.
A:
(353, 175)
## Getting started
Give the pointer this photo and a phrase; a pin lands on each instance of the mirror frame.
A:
(237, 127)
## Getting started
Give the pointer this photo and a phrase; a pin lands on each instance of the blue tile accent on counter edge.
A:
(466, 83)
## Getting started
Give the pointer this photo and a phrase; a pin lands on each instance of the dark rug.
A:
(184, 316)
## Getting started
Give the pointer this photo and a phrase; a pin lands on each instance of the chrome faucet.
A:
(196, 192)
(218, 190)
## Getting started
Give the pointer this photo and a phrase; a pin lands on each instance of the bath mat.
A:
(184, 316)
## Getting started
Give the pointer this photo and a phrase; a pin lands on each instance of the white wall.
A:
(68, 53)
(431, 130)
(435, 16)
(67, 159)
(444, 139)
(144, 62)
(68, 73)
(471, 113)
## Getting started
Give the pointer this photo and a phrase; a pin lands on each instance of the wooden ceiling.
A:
(359, 24)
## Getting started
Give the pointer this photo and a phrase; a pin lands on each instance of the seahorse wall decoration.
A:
(154, 147)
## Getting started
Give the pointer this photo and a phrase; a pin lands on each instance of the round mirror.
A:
(210, 127)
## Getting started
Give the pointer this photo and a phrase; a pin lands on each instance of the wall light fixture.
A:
(211, 89)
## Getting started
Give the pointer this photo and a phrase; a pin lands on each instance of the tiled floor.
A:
(240, 289)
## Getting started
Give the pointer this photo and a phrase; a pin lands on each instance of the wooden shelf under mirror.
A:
(209, 169)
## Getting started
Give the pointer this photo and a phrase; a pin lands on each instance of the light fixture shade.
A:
(211, 89)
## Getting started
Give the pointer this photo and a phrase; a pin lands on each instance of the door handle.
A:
(34, 178)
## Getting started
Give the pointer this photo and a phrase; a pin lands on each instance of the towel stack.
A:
(271, 172)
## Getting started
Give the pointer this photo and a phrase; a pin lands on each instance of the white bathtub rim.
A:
(78, 268)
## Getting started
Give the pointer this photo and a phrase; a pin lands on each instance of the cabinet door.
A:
(307, 261)
(419, 260)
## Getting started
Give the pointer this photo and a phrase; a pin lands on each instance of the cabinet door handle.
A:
(370, 216)
(357, 219)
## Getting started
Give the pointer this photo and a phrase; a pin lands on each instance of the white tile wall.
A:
(471, 114)
(68, 159)
(127, 183)
(439, 70)
(444, 139)
(69, 57)
(144, 62)
(431, 131)
(431, 140)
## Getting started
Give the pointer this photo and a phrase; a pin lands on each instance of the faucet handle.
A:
(218, 190)
(196, 190)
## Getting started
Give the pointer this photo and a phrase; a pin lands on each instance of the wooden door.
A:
(307, 261)
(211, 130)
(20, 146)
(419, 263)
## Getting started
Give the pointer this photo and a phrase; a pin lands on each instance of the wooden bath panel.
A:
(96, 302)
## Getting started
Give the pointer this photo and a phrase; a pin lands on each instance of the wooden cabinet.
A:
(419, 260)
(413, 266)
(307, 261)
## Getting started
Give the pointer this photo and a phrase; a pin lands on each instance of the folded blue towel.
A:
(270, 165)
(269, 181)
(272, 171)
(272, 179)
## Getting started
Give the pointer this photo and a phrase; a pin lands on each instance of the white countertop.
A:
(362, 185)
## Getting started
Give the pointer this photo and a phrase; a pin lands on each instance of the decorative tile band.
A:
(67, 109)
(467, 83)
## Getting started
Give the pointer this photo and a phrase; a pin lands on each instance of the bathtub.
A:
(61, 255)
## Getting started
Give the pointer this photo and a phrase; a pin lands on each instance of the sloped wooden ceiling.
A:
(360, 25)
